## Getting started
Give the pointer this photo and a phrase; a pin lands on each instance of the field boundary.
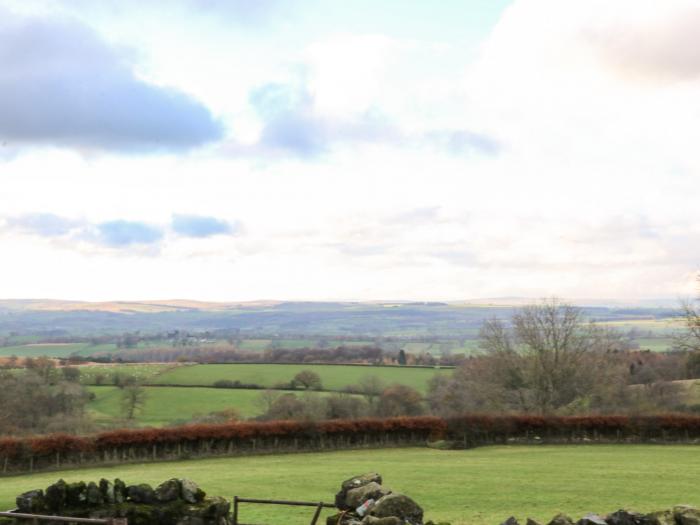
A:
(53, 452)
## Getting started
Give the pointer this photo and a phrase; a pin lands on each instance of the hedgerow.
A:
(37, 452)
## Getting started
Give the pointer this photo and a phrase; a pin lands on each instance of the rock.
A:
(168, 491)
(215, 508)
(107, 491)
(190, 491)
(119, 491)
(662, 517)
(190, 520)
(357, 496)
(686, 515)
(561, 519)
(333, 520)
(591, 519)
(511, 521)
(353, 483)
(142, 493)
(75, 494)
(625, 517)
(400, 506)
(56, 496)
(31, 502)
(93, 495)
(391, 520)
(530, 521)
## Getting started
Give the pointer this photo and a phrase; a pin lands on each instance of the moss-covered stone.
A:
(75, 494)
(56, 495)
(31, 502)
(142, 493)
(107, 491)
(119, 491)
(168, 491)
(662, 517)
(561, 519)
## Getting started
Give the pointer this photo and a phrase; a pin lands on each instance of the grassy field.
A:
(54, 349)
(169, 405)
(655, 344)
(269, 375)
(476, 487)
(142, 372)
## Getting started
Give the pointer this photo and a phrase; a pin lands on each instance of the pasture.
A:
(54, 349)
(172, 405)
(104, 374)
(334, 377)
(481, 486)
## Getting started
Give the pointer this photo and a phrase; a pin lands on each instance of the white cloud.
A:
(592, 191)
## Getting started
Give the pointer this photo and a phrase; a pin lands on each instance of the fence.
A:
(319, 506)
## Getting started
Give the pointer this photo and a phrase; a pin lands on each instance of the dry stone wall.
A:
(173, 502)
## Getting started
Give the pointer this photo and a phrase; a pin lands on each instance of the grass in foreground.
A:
(477, 487)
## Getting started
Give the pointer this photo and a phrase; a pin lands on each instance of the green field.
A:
(169, 405)
(142, 372)
(655, 344)
(269, 375)
(477, 487)
(54, 349)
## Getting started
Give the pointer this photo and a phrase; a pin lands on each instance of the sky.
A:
(331, 150)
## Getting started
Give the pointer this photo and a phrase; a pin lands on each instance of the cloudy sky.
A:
(326, 149)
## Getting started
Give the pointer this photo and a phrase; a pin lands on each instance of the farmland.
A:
(182, 400)
(334, 377)
(171, 405)
(477, 487)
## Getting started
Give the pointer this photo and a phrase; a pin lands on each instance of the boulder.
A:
(168, 491)
(190, 491)
(530, 521)
(107, 491)
(685, 515)
(561, 519)
(31, 502)
(400, 506)
(75, 494)
(357, 496)
(216, 508)
(56, 496)
(142, 493)
(334, 519)
(511, 521)
(93, 495)
(119, 491)
(591, 519)
(662, 517)
(625, 517)
(353, 483)
(372, 520)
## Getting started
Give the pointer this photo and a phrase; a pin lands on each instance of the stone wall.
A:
(173, 502)
(679, 515)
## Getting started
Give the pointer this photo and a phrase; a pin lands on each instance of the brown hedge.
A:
(477, 428)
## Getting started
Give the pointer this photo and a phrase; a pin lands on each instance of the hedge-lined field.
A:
(334, 377)
(170, 405)
(476, 487)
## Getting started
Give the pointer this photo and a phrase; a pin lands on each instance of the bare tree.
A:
(545, 356)
(133, 400)
(689, 340)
